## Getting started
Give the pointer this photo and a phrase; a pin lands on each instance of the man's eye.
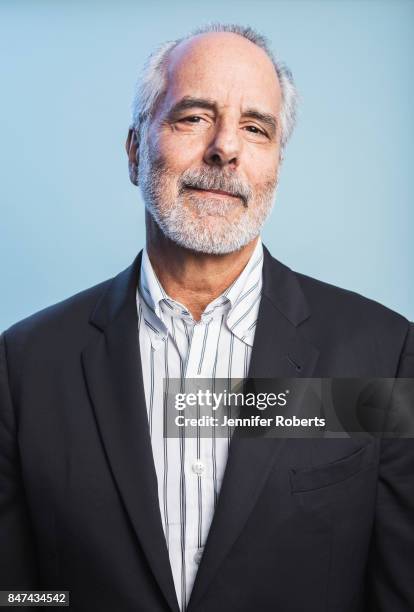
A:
(255, 130)
(192, 119)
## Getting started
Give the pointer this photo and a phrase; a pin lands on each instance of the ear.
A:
(132, 149)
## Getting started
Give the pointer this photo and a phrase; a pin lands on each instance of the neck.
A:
(191, 278)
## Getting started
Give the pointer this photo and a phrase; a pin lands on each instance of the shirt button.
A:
(198, 467)
(198, 555)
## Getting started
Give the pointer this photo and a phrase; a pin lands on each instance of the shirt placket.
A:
(198, 466)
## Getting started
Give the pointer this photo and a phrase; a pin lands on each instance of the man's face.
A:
(208, 162)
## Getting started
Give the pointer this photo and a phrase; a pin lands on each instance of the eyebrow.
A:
(188, 102)
(267, 118)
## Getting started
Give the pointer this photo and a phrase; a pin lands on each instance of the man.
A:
(94, 499)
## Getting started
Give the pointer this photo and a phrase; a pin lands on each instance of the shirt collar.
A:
(245, 294)
(239, 302)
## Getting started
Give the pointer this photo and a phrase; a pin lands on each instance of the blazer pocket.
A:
(319, 476)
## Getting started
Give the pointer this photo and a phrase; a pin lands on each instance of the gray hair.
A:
(152, 82)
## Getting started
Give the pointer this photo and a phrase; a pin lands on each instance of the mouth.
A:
(214, 192)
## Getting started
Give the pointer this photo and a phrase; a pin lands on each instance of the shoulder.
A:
(323, 304)
(353, 334)
(72, 316)
(354, 323)
(57, 327)
(347, 306)
(74, 308)
(53, 338)
(332, 298)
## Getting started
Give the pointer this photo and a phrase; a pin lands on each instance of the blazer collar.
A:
(119, 296)
(280, 286)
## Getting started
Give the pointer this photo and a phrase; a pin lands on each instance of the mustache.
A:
(215, 179)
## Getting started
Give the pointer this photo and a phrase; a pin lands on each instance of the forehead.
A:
(226, 68)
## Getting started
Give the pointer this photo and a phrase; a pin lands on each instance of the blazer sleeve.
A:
(18, 559)
(391, 565)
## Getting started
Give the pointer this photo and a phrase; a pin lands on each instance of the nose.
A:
(224, 148)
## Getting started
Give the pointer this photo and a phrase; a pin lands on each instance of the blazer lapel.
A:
(112, 368)
(279, 351)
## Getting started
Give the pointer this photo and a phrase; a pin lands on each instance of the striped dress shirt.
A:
(174, 346)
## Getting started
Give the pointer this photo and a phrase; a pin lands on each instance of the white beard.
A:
(205, 226)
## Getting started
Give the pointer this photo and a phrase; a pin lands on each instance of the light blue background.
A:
(69, 216)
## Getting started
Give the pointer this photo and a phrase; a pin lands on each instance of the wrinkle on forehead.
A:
(223, 62)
